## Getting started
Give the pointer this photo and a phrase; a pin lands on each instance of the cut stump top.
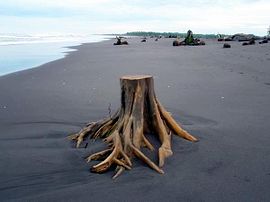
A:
(135, 77)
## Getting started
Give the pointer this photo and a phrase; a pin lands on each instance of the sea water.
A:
(20, 52)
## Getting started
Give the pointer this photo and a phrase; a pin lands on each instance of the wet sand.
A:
(221, 96)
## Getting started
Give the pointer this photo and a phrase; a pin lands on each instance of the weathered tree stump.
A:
(124, 132)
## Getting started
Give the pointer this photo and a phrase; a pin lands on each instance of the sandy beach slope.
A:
(221, 96)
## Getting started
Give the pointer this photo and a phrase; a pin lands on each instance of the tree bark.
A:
(124, 132)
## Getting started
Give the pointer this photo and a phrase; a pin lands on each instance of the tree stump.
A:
(124, 132)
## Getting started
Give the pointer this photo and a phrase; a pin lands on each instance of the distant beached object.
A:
(120, 42)
(201, 43)
(250, 42)
(143, 39)
(226, 45)
(263, 41)
(189, 41)
(243, 37)
(239, 37)
(176, 43)
(227, 38)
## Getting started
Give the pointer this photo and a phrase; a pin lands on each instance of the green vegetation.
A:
(172, 34)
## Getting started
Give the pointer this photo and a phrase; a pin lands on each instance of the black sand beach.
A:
(221, 96)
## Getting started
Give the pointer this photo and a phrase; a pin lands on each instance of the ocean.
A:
(20, 52)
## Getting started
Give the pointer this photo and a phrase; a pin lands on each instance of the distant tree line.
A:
(172, 34)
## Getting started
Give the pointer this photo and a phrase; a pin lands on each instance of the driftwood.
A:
(196, 42)
(250, 42)
(125, 132)
(120, 42)
(263, 41)
(189, 41)
(226, 45)
(176, 43)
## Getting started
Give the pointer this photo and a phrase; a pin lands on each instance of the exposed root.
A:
(146, 143)
(99, 155)
(73, 137)
(121, 163)
(174, 126)
(144, 158)
(119, 171)
(127, 159)
(125, 131)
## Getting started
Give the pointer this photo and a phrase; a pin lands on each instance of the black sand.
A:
(221, 96)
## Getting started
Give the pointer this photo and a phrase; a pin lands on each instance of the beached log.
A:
(263, 41)
(250, 42)
(125, 132)
(226, 45)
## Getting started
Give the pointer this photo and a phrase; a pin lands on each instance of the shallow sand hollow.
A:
(221, 96)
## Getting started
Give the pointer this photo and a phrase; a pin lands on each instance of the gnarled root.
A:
(124, 132)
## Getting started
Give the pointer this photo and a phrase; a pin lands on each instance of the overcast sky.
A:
(120, 16)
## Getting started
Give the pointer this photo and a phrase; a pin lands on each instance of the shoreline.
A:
(60, 49)
(221, 96)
